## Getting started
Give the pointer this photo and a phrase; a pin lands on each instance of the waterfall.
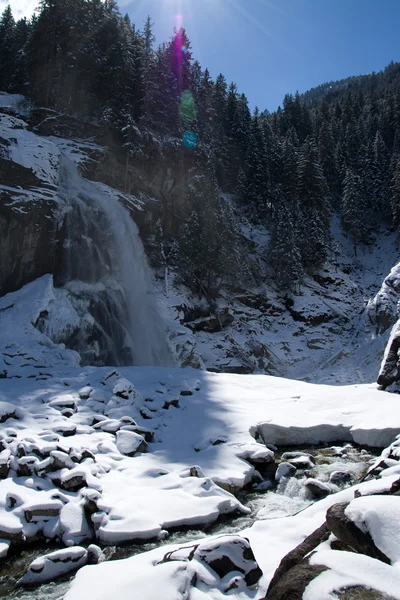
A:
(105, 280)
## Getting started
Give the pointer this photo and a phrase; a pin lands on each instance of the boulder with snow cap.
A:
(85, 392)
(26, 465)
(129, 443)
(73, 523)
(229, 557)
(8, 411)
(124, 389)
(285, 469)
(318, 488)
(227, 554)
(56, 564)
(65, 429)
(300, 460)
(74, 480)
(344, 527)
(44, 510)
(148, 434)
(4, 463)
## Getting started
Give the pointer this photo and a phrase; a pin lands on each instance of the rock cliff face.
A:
(28, 240)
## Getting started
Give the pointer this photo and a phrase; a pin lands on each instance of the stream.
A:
(288, 497)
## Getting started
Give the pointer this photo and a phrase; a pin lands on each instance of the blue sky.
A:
(270, 47)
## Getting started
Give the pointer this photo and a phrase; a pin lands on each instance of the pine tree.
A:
(355, 217)
(395, 194)
(256, 184)
(327, 158)
(206, 115)
(20, 39)
(7, 49)
(284, 254)
(380, 176)
(314, 207)
(210, 252)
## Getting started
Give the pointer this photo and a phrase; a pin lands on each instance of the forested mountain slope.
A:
(269, 233)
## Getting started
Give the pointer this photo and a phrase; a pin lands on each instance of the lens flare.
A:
(189, 139)
(187, 107)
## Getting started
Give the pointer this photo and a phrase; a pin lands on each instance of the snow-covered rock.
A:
(54, 565)
(129, 443)
(318, 489)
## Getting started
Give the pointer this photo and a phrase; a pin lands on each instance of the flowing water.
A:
(288, 497)
(104, 306)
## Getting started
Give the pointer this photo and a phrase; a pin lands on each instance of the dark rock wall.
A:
(28, 240)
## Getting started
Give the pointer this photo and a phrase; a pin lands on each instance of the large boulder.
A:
(292, 584)
(390, 367)
(343, 527)
(229, 557)
(60, 563)
(296, 556)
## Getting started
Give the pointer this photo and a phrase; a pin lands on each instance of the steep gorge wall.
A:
(28, 228)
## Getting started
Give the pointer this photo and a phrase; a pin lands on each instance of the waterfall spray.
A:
(107, 279)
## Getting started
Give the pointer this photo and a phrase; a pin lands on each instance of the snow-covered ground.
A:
(327, 333)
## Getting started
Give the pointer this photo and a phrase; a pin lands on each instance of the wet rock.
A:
(67, 413)
(61, 460)
(300, 460)
(225, 555)
(395, 488)
(318, 489)
(129, 443)
(285, 469)
(127, 420)
(340, 477)
(88, 454)
(95, 555)
(348, 532)
(11, 529)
